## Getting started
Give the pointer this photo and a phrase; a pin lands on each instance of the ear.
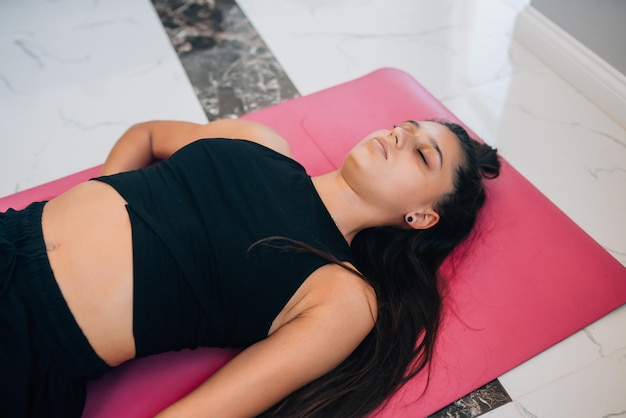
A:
(422, 219)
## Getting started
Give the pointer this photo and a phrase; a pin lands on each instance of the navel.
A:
(51, 246)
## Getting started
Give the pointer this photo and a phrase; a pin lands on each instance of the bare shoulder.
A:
(335, 293)
(334, 282)
(249, 130)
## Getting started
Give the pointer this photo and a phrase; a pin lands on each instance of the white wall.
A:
(600, 25)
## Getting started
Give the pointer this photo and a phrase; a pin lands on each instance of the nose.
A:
(396, 137)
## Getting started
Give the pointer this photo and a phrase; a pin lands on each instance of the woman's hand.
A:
(147, 142)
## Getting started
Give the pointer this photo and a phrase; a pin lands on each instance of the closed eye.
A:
(423, 156)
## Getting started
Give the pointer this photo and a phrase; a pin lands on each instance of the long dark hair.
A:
(401, 265)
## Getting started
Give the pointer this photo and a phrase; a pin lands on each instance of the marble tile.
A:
(509, 410)
(482, 400)
(575, 353)
(448, 45)
(565, 146)
(570, 355)
(73, 76)
(517, 4)
(603, 335)
(230, 67)
(595, 391)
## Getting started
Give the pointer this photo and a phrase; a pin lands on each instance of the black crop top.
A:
(201, 210)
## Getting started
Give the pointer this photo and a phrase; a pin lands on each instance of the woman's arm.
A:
(151, 141)
(338, 318)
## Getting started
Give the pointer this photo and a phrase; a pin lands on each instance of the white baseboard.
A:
(577, 64)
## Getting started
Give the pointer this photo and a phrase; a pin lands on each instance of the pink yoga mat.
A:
(529, 279)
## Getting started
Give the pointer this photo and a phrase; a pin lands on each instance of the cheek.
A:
(399, 192)
(413, 191)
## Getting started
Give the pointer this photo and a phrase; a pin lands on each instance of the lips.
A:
(380, 144)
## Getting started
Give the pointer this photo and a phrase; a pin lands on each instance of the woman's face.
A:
(404, 170)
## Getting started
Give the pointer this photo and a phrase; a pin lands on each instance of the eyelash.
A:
(423, 156)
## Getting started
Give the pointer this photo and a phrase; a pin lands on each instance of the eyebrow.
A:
(432, 142)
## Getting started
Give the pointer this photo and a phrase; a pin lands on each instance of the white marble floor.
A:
(75, 73)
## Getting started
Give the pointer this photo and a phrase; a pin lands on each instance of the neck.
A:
(347, 209)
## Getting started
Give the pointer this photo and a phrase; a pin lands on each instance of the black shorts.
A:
(45, 358)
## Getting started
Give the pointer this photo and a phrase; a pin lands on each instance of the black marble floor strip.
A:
(230, 68)
(233, 72)
(479, 402)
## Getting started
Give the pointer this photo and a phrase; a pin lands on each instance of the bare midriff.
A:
(88, 238)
